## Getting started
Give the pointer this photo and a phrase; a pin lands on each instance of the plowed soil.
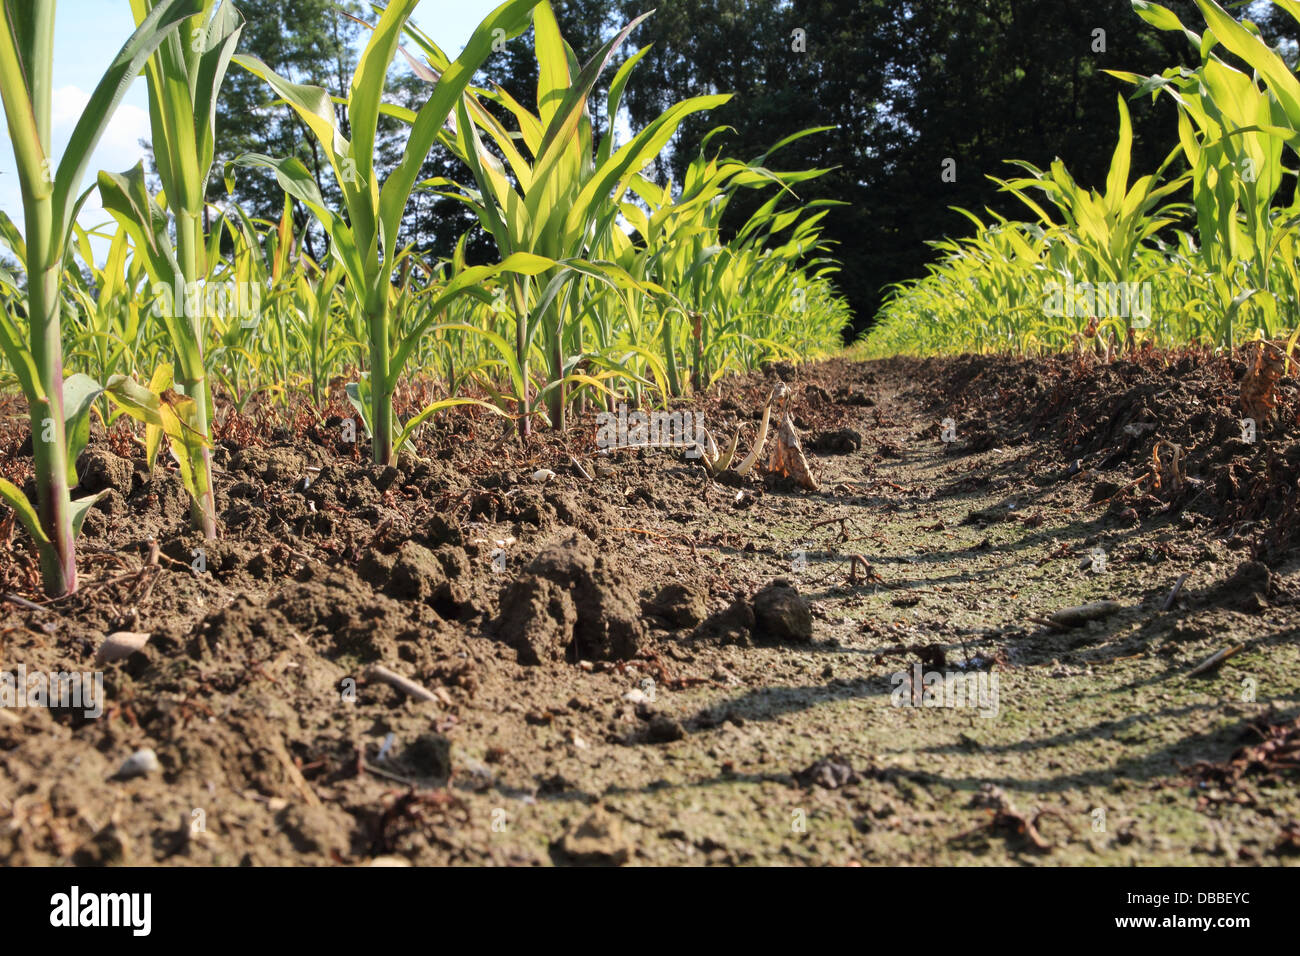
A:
(646, 666)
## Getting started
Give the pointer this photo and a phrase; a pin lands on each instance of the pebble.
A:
(120, 644)
(139, 764)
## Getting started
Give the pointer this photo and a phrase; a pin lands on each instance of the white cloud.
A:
(118, 150)
(119, 147)
(66, 105)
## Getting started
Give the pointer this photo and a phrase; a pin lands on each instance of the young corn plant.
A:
(248, 349)
(111, 334)
(310, 332)
(1110, 228)
(184, 76)
(1232, 133)
(722, 301)
(1239, 268)
(564, 198)
(59, 409)
(363, 237)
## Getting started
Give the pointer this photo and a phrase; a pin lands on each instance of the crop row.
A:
(607, 286)
(1129, 264)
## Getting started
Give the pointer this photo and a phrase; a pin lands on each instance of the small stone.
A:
(120, 644)
(429, 755)
(664, 730)
(1079, 616)
(139, 764)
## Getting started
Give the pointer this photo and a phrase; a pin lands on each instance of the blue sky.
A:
(88, 33)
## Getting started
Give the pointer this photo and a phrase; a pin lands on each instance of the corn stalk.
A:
(59, 410)
(184, 76)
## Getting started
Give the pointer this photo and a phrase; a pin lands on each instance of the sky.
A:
(88, 34)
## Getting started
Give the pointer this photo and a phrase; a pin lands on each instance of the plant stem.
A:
(59, 563)
(44, 264)
(381, 388)
(670, 359)
(189, 247)
(557, 377)
(521, 351)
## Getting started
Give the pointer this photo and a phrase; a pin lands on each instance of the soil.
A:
(646, 666)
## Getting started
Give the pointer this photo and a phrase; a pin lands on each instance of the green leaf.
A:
(430, 410)
(81, 506)
(1117, 180)
(520, 263)
(136, 400)
(79, 394)
(311, 103)
(99, 111)
(159, 382)
(368, 83)
(1258, 55)
(1162, 18)
(26, 513)
(361, 402)
(12, 237)
(174, 415)
(14, 345)
(126, 197)
(509, 19)
(222, 38)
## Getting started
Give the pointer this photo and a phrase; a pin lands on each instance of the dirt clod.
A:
(678, 604)
(570, 605)
(597, 841)
(1248, 588)
(100, 469)
(781, 614)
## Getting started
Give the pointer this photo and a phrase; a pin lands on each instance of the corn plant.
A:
(1107, 228)
(59, 409)
(363, 239)
(1232, 133)
(563, 201)
(108, 333)
(184, 76)
(733, 296)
